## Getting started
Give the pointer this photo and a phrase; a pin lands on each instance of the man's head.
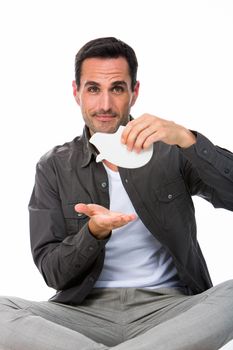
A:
(105, 83)
(109, 47)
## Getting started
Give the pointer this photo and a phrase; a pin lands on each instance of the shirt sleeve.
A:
(64, 260)
(209, 172)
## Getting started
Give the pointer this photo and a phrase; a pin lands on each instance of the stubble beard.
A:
(105, 126)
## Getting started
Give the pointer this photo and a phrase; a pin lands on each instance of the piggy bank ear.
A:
(99, 158)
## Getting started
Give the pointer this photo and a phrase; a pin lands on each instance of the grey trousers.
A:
(121, 319)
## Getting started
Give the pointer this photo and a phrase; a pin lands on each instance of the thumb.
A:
(83, 208)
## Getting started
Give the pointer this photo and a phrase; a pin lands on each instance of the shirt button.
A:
(204, 151)
(226, 171)
(91, 279)
(80, 214)
(104, 184)
(170, 196)
(90, 248)
(126, 180)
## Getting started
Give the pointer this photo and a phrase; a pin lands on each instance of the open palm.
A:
(102, 220)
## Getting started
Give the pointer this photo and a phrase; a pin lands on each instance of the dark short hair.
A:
(108, 47)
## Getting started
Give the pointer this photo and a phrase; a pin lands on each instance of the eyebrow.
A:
(117, 82)
(90, 82)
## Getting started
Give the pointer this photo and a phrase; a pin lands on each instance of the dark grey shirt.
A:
(70, 258)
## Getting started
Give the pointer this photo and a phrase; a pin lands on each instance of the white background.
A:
(185, 55)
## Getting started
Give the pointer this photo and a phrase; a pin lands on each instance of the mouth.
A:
(104, 117)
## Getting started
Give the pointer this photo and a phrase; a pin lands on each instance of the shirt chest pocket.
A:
(173, 202)
(171, 192)
(74, 221)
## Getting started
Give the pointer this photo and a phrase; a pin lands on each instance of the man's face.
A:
(105, 96)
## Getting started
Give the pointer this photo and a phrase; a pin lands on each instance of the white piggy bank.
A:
(112, 150)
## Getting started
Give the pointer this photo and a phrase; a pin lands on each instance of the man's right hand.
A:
(103, 221)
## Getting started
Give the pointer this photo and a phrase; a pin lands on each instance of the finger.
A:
(91, 209)
(135, 127)
(129, 127)
(84, 209)
(122, 220)
(128, 217)
(125, 133)
(133, 133)
(145, 139)
(164, 134)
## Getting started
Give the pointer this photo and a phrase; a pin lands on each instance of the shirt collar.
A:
(89, 150)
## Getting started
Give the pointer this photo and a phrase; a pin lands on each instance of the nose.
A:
(105, 101)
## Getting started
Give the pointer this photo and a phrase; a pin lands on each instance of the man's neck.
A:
(111, 166)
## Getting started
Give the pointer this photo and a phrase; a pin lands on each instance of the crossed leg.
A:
(203, 322)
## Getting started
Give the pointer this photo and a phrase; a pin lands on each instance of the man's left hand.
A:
(140, 133)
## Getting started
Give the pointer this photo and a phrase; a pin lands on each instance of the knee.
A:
(7, 302)
(227, 284)
(225, 288)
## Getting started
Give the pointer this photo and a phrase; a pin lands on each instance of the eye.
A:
(118, 89)
(93, 89)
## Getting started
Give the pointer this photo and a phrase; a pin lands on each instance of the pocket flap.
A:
(171, 191)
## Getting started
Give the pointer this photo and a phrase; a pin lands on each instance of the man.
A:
(119, 245)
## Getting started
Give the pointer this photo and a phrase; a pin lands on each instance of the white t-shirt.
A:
(134, 257)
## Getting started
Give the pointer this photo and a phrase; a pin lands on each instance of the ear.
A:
(75, 92)
(135, 93)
